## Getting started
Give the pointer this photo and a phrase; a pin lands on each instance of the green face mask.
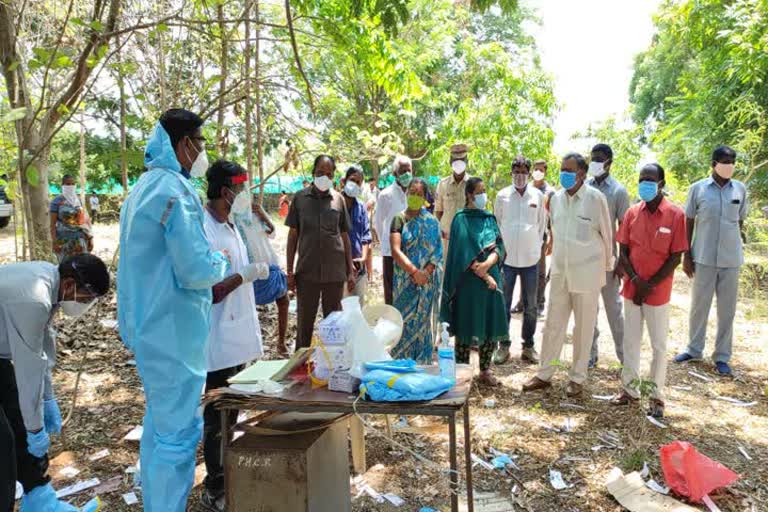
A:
(405, 179)
(415, 202)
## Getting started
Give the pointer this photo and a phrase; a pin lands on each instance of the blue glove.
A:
(52, 416)
(38, 444)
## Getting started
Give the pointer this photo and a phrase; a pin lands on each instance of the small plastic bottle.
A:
(446, 355)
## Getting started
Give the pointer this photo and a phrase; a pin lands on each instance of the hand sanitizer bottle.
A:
(446, 356)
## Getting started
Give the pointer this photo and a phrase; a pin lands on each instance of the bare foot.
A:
(282, 350)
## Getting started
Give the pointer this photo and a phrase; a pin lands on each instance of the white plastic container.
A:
(446, 355)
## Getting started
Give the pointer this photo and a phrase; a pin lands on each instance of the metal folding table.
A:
(302, 398)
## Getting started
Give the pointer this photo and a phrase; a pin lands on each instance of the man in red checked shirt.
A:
(653, 240)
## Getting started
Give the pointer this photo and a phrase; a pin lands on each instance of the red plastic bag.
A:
(691, 474)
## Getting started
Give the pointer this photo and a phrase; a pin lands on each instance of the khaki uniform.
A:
(449, 199)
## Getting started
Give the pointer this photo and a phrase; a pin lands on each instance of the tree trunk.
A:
(38, 221)
(247, 90)
(123, 137)
(220, 144)
(259, 145)
(82, 161)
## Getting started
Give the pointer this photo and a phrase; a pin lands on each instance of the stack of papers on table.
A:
(276, 370)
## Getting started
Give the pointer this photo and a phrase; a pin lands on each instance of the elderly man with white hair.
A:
(391, 201)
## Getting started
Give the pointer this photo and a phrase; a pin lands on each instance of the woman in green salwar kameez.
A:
(472, 301)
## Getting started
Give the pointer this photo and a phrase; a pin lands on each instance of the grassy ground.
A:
(110, 403)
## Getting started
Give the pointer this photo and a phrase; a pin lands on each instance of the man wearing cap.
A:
(450, 192)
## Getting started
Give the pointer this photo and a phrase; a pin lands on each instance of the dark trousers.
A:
(388, 270)
(214, 480)
(308, 295)
(529, 277)
(16, 463)
(540, 299)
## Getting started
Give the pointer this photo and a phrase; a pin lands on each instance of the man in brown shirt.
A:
(319, 227)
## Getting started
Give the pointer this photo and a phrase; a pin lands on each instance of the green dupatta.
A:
(477, 314)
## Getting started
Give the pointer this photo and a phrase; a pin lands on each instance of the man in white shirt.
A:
(94, 199)
(522, 219)
(582, 254)
(235, 335)
(391, 202)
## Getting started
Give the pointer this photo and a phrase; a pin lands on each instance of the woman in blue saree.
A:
(418, 253)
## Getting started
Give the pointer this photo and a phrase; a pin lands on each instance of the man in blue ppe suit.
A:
(164, 276)
(30, 294)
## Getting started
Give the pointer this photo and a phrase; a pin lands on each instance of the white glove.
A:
(254, 271)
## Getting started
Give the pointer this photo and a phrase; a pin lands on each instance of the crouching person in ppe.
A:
(235, 335)
(165, 275)
(30, 294)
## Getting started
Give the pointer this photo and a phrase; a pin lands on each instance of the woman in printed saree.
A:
(418, 254)
(472, 301)
(70, 225)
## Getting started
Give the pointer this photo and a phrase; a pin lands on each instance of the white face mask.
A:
(459, 166)
(70, 193)
(323, 183)
(481, 200)
(351, 189)
(73, 308)
(596, 169)
(242, 203)
(200, 165)
(538, 175)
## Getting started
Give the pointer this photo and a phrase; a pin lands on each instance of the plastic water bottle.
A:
(446, 356)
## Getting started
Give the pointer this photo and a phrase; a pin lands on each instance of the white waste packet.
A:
(736, 401)
(710, 504)
(130, 498)
(655, 486)
(556, 479)
(99, 455)
(656, 422)
(394, 499)
(69, 472)
(602, 397)
(699, 376)
(79, 487)
(744, 453)
(135, 434)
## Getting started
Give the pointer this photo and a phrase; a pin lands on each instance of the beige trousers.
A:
(656, 319)
(561, 304)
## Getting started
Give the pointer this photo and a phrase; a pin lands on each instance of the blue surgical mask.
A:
(481, 200)
(648, 190)
(567, 179)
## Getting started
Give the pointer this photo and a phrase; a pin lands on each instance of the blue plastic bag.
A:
(395, 365)
(391, 386)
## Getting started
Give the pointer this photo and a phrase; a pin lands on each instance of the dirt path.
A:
(110, 403)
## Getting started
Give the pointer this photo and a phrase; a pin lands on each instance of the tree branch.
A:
(295, 47)
(82, 70)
